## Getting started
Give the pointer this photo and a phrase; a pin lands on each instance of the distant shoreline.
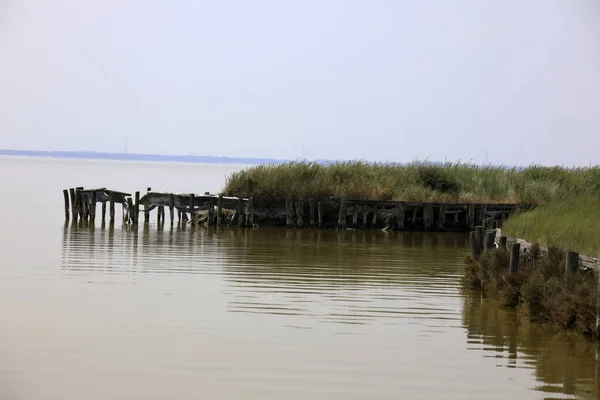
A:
(92, 155)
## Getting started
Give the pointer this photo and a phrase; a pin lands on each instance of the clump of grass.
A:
(417, 181)
(572, 222)
(540, 287)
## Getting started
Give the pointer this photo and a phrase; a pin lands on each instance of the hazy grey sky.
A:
(513, 81)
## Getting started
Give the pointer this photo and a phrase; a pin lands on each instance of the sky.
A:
(501, 81)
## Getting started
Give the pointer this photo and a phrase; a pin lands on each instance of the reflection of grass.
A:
(540, 287)
(412, 182)
(563, 358)
(571, 223)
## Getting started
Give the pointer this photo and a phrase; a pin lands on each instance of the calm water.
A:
(109, 312)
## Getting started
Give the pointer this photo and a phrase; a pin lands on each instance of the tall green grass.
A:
(571, 223)
(449, 182)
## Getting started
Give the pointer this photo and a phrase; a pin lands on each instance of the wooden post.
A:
(414, 216)
(355, 216)
(480, 231)
(471, 216)
(365, 214)
(251, 211)
(300, 212)
(240, 214)
(428, 216)
(136, 208)
(400, 215)
(342, 214)
(320, 214)
(572, 262)
(78, 200)
(103, 211)
(93, 206)
(211, 211)
(130, 211)
(289, 211)
(192, 205)
(311, 212)
(220, 210)
(442, 216)
(73, 203)
(488, 241)
(475, 246)
(515, 251)
(502, 242)
(172, 207)
(498, 224)
(374, 221)
(111, 206)
(158, 215)
(67, 205)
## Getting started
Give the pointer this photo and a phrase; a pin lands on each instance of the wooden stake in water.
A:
(442, 216)
(311, 212)
(480, 231)
(475, 246)
(67, 205)
(365, 214)
(93, 207)
(240, 212)
(74, 211)
(399, 215)
(289, 210)
(502, 242)
(111, 206)
(320, 214)
(489, 239)
(192, 205)
(342, 215)
(300, 212)
(172, 208)
(219, 210)
(136, 208)
(251, 211)
(355, 216)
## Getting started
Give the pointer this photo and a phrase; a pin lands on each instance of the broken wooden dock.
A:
(342, 213)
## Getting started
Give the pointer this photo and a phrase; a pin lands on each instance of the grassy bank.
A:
(571, 223)
(450, 182)
(540, 288)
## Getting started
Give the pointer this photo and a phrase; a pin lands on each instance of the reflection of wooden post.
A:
(320, 214)
(572, 262)
(219, 210)
(342, 215)
(514, 258)
(311, 212)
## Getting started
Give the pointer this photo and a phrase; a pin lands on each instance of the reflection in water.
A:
(354, 282)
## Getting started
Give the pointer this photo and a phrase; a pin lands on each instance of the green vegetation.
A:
(540, 287)
(449, 182)
(572, 223)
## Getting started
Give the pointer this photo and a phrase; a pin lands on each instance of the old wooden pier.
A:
(341, 213)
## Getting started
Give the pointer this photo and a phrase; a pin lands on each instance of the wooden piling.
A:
(475, 246)
(342, 214)
(289, 213)
(489, 239)
(480, 231)
(300, 212)
(251, 211)
(374, 220)
(311, 212)
(442, 216)
(130, 211)
(515, 252)
(220, 210)
(240, 212)
(319, 214)
(136, 208)
(171, 208)
(78, 201)
(471, 216)
(355, 216)
(428, 216)
(413, 220)
(73, 203)
(67, 204)
(400, 214)
(365, 214)
(192, 207)
(502, 242)
(103, 211)
(211, 211)
(571, 262)
(111, 206)
(93, 206)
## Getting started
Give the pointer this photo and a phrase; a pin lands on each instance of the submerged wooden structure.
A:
(341, 213)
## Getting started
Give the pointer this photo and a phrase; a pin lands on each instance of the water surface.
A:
(155, 312)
